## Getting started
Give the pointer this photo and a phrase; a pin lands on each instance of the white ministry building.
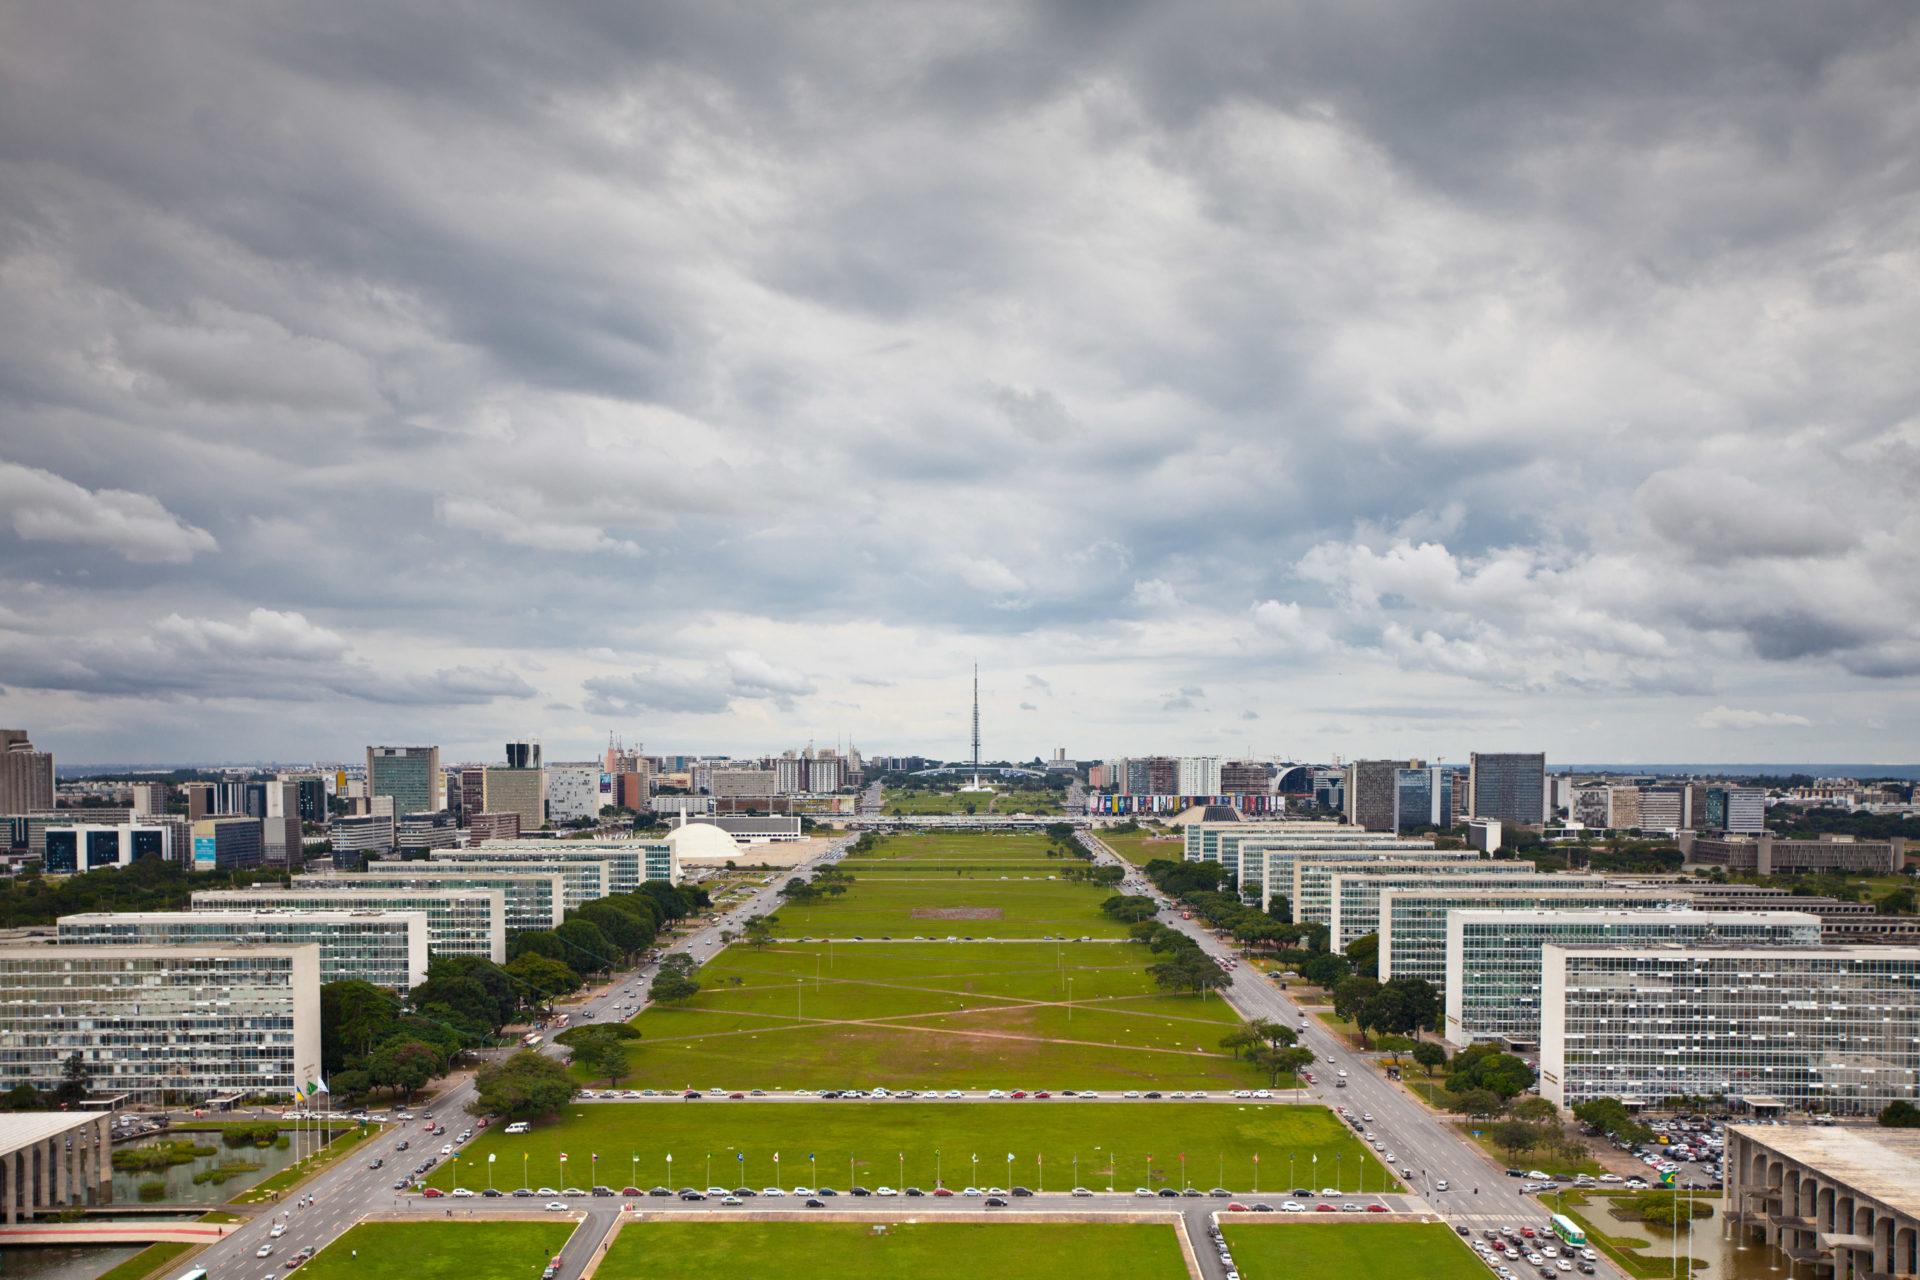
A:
(1413, 922)
(1268, 863)
(460, 921)
(1493, 957)
(1313, 885)
(162, 1024)
(1829, 1028)
(533, 900)
(386, 948)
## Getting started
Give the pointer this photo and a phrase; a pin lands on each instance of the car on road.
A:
(995, 1202)
(1293, 1206)
(279, 1229)
(264, 1251)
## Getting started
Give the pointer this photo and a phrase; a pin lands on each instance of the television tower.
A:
(976, 726)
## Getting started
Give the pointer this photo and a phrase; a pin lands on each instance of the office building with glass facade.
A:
(411, 775)
(1313, 898)
(1493, 957)
(1221, 841)
(583, 880)
(1833, 1029)
(71, 850)
(386, 948)
(162, 1024)
(1508, 785)
(630, 863)
(460, 921)
(1413, 921)
(1267, 861)
(534, 899)
(1356, 893)
(1422, 797)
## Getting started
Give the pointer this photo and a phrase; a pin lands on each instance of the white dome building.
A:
(702, 842)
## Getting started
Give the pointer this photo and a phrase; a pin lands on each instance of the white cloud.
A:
(44, 507)
(1724, 717)
(1286, 623)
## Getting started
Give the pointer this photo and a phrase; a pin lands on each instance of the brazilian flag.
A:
(1666, 1179)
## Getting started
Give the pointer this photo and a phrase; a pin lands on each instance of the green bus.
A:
(1568, 1230)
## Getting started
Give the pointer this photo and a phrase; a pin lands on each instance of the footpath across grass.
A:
(470, 1250)
(1311, 1249)
(1055, 1144)
(868, 1251)
(986, 1015)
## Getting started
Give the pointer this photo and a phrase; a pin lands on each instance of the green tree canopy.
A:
(524, 1087)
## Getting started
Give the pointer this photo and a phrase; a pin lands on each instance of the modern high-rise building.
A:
(411, 775)
(1267, 862)
(75, 849)
(1493, 957)
(1834, 1029)
(418, 831)
(1746, 810)
(1510, 786)
(1370, 793)
(518, 791)
(1198, 776)
(150, 798)
(473, 794)
(573, 791)
(26, 775)
(172, 1024)
(630, 863)
(460, 921)
(386, 948)
(355, 836)
(1354, 894)
(1423, 797)
(1313, 888)
(583, 880)
(228, 844)
(523, 755)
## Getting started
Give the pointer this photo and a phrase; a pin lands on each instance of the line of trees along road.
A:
(371, 1039)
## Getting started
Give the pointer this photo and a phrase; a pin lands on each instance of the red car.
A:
(433, 1193)
(1376, 1208)
(736, 1096)
(1019, 1093)
(631, 1191)
(1236, 1207)
(942, 1191)
(1324, 1208)
(1043, 1094)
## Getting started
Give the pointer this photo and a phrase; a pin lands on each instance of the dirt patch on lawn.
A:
(955, 913)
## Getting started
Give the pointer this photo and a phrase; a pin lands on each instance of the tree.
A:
(349, 1084)
(354, 1016)
(1403, 1006)
(1188, 970)
(75, 1081)
(1350, 996)
(22, 1097)
(1363, 953)
(1900, 1114)
(1129, 908)
(1277, 1062)
(674, 983)
(1277, 1034)
(1429, 1055)
(1142, 930)
(1325, 970)
(524, 1087)
(588, 950)
(1240, 1039)
(1514, 1137)
(404, 1065)
(601, 1050)
(1477, 1102)
(759, 932)
(1610, 1116)
(1534, 1108)
(1482, 1066)
(542, 979)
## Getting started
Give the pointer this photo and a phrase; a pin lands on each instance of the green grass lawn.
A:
(440, 1251)
(1142, 847)
(951, 1015)
(923, 1250)
(1007, 904)
(913, 804)
(1312, 1250)
(706, 1139)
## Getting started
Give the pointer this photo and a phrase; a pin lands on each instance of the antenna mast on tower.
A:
(976, 726)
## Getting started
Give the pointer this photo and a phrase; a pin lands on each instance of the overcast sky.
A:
(1295, 379)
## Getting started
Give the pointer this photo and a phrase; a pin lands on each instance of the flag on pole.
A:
(741, 1156)
(776, 1157)
(491, 1155)
(1256, 1157)
(563, 1157)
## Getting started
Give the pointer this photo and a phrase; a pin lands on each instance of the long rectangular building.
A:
(386, 948)
(162, 1024)
(1313, 898)
(460, 921)
(1356, 894)
(1835, 1029)
(1220, 841)
(1493, 957)
(1413, 921)
(1269, 862)
(582, 881)
(630, 863)
(534, 899)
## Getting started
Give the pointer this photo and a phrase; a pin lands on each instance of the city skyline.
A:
(1519, 382)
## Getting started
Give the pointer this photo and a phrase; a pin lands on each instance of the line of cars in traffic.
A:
(1540, 1250)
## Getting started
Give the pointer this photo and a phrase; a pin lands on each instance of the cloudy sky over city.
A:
(1284, 379)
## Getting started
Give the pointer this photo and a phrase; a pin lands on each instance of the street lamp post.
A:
(936, 1167)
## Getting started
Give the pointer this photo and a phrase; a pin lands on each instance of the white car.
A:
(885, 1191)
(1293, 1206)
(462, 1192)
(279, 1229)
(771, 1191)
(556, 1206)
(264, 1251)
(1143, 1191)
